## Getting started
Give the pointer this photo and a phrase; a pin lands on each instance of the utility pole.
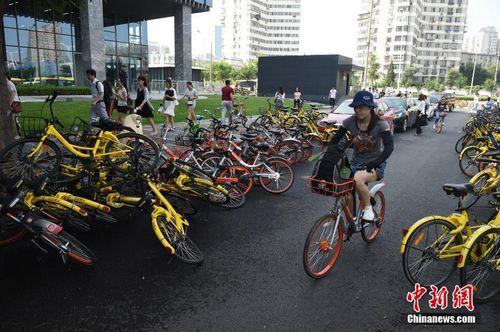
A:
(211, 61)
(365, 73)
(473, 73)
(496, 67)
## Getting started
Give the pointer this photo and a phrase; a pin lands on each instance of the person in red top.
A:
(227, 102)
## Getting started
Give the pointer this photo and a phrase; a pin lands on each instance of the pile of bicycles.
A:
(435, 246)
(55, 182)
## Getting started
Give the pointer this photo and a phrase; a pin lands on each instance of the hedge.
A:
(470, 98)
(46, 89)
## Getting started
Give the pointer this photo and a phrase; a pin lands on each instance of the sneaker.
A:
(368, 213)
(434, 127)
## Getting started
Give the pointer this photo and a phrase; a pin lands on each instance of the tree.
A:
(462, 82)
(489, 85)
(389, 78)
(222, 71)
(6, 121)
(373, 69)
(452, 77)
(247, 72)
(407, 78)
(480, 74)
(433, 85)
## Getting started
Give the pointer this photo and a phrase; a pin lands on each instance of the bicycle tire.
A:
(379, 218)
(459, 143)
(467, 164)
(72, 248)
(280, 166)
(64, 216)
(481, 243)
(242, 174)
(478, 184)
(186, 250)
(15, 164)
(323, 245)
(416, 238)
(144, 159)
(10, 232)
(236, 197)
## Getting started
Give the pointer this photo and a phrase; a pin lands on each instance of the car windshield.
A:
(398, 103)
(344, 108)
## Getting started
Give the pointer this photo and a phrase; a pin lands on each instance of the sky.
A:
(327, 26)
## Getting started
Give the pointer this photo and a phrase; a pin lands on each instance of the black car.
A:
(404, 117)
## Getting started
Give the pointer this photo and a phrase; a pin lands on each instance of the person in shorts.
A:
(190, 97)
(98, 108)
(372, 144)
(143, 105)
(227, 102)
(121, 100)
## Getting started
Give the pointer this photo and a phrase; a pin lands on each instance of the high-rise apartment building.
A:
(483, 42)
(254, 27)
(424, 34)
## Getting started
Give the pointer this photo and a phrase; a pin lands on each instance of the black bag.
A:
(327, 168)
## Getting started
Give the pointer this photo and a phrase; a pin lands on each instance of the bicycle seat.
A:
(262, 146)
(248, 137)
(107, 125)
(458, 190)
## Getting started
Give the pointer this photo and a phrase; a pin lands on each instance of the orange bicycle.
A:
(324, 242)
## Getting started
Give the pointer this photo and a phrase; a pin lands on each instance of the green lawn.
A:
(67, 111)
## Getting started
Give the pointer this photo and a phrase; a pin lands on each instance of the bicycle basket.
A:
(335, 189)
(31, 126)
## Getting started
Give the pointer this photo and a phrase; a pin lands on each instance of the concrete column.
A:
(183, 57)
(92, 38)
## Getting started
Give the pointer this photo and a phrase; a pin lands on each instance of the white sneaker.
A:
(434, 127)
(368, 213)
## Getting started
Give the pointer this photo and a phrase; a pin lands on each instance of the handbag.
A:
(16, 107)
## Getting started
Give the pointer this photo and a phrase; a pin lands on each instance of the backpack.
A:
(333, 166)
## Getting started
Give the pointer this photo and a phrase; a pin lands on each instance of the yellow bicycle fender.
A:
(417, 224)
(491, 172)
(159, 235)
(467, 246)
(62, 202)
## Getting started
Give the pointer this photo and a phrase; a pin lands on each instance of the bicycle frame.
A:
(80, 151)
(491, 184)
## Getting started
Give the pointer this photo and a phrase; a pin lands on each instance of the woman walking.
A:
(109, 97)
(420, 114)
(143, 105)
(297, 98)
(169, 103)
(121, 100)
(190, 97)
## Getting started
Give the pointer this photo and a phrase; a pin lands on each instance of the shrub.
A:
(46, 89)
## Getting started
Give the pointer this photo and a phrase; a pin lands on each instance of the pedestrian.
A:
(98, 108)
(109, 97)
(14, 101)
(142, 103)
(376, 95)
(488, 105)
(476, 102)
(227, 102)
(121, 100)
(297, 98)
(332, 96)
(279, 98)
(382, 93)
(439, 112)
(421, 115)
(190, 97)
(123, 76)
(169, 103)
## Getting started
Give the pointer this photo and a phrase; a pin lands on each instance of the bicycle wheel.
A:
(185, 249)
(212, 165)
(15, 164)
(10, 231)
(65, 216)
(371, 229)
(69, 247)
(276, 176)
(307, 150)
(291, 121)
(482, 266)
(139, 155)
(459, 144)
(420, 257)
(323, 245)
(472, 197)
(236, 197)
(289, 150)
(240, 173)
(467, 161)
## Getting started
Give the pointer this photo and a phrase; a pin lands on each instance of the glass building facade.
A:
(43, 46)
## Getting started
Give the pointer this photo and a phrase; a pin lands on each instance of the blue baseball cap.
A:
(363, 98)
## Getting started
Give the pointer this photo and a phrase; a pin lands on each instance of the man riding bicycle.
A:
(372, 143)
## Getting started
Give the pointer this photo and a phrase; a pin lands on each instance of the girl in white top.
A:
(122, 96)
(169, 103)
(297, 95)
(190, 97)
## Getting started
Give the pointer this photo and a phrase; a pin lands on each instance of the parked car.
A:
(343, 111)
(404, 116)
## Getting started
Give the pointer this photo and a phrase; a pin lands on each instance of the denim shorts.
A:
(380, 170)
